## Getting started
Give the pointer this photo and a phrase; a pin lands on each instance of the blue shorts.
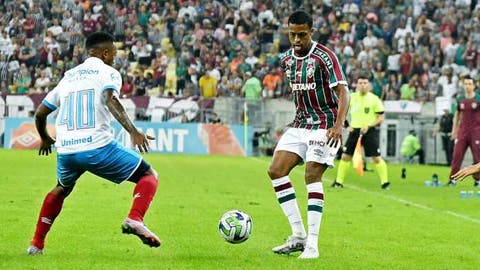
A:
(112, 162)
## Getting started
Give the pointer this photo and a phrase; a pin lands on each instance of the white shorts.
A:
(310, 145)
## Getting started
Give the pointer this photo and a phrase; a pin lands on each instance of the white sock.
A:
(315, 210)
(287, 199)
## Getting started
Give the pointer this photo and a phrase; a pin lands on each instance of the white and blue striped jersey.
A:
(83, 119)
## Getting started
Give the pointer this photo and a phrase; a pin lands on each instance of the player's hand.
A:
(472, 169)
(46, 147)
(334, 135)
(140, 140)
(453, 136)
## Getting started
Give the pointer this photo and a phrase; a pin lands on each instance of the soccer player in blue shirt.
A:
(86, 99)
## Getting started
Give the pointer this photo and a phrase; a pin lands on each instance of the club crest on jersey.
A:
(287, 73)
(310, 72)
(474, 105)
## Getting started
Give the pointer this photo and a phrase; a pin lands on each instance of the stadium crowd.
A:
(416, 50)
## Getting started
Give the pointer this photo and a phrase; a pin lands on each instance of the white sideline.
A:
(394, 198)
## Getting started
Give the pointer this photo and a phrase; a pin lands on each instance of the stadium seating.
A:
(129, 107)
(157, 108)
(184, 107)
(19, 106)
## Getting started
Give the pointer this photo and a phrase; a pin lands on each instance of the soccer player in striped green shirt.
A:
(320, 94)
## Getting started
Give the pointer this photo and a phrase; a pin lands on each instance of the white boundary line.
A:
(396, 199)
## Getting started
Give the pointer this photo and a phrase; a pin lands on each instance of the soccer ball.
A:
(235, 226)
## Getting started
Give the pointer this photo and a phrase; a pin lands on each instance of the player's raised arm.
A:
(139, 139)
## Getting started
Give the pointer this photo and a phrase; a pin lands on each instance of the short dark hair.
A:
(300, 17)
(98, 38)
(468, 77)
(365, 75)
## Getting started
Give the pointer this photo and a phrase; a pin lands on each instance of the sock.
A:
(382, 171)
(315, 210)
(288, 202)
(142, 196)
(51, 207)
(343, 167)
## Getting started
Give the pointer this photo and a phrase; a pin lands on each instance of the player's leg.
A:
(346, 162)
(287, 155)
(117, 164)
(67, 172)
(382, 171)
(313, 179)
(51, 207)
(319, 156)
(459, 150)
(371, 147)
(143, 193)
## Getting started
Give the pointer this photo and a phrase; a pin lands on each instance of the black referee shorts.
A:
(369, 142)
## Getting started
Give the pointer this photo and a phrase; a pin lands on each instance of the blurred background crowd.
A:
(416, 49)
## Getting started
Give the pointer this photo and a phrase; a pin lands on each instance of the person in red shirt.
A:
(406, 63)
(128, 87)
(466, 129)
(89, 24)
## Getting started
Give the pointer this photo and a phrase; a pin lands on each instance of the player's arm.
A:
(139, 139)
(379, 120)
(335, 133)
(41, 125)
(456, 123)
(472, 169)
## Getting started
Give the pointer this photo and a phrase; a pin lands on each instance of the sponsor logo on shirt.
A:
(304, 86)
(70, 142)
(81, 72)
(316, 143)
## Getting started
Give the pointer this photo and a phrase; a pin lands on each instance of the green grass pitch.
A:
(410, 226)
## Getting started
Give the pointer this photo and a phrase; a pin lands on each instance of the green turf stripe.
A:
(286, 198)
(317, 208)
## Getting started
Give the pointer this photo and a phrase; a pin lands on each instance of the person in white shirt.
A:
(87, 97)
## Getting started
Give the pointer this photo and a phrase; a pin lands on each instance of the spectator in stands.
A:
(272, 83)
(407, 91)
(235, 84)
(42, 83)
(208, 86)
(27, 54)
(252, 87)
(128, 87)
(159, 65)
(379, 83)
(23, 82)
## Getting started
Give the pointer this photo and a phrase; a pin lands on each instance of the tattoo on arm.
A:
(117, 110)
